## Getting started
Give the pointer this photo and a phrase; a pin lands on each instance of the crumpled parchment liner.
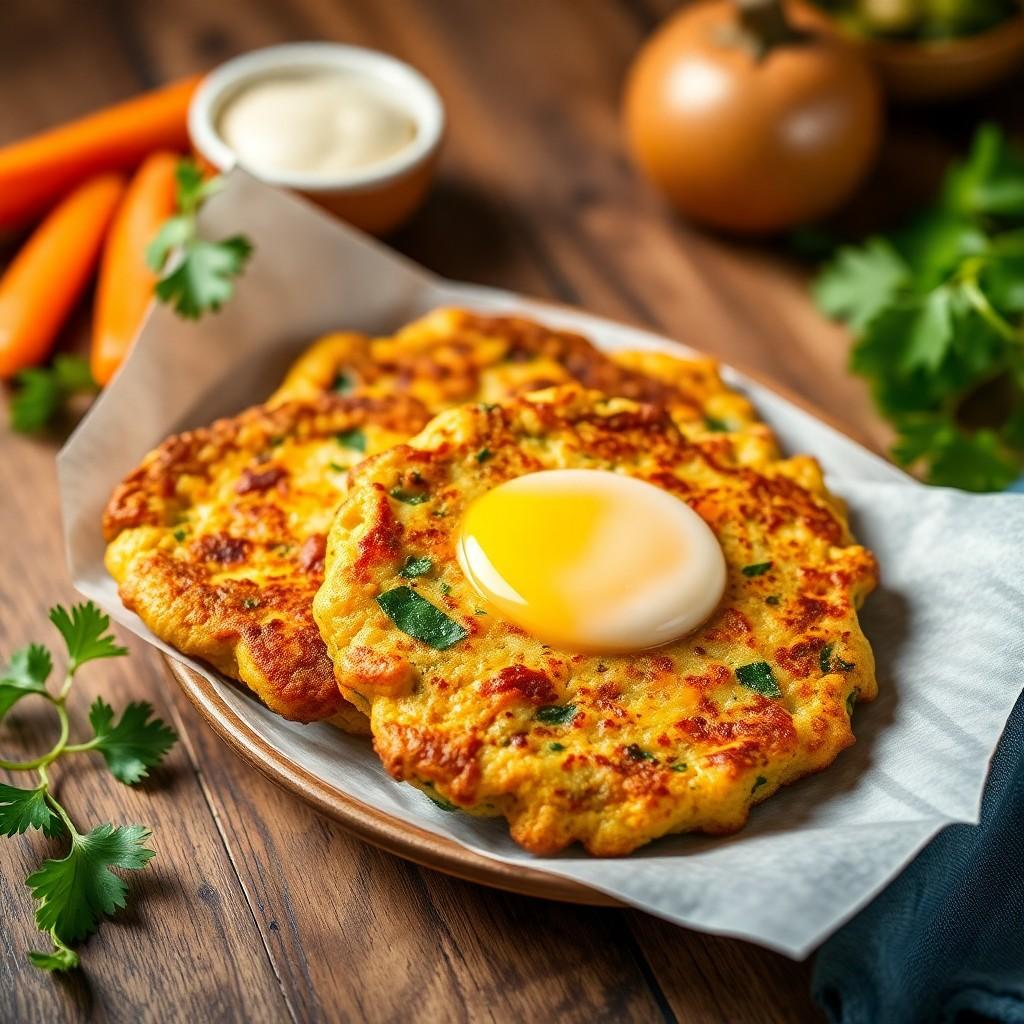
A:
(947, 623)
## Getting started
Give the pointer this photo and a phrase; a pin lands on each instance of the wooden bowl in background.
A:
(944, 69)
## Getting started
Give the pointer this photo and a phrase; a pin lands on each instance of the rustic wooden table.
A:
(257, 909)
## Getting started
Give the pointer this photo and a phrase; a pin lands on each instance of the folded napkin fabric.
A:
(945, 942)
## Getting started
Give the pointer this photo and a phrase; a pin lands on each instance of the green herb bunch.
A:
(74, 892)
(937, 310)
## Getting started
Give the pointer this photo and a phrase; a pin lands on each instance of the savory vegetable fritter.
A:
(611, 750)
(213, 516)
(452, 356)
(217, 540)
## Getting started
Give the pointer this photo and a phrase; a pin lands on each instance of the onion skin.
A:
(751, 141)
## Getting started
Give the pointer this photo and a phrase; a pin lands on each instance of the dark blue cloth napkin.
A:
(946, 939)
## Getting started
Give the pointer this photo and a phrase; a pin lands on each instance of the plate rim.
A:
(390, 833)
(372, 825)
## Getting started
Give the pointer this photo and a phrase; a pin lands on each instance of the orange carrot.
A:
(34, 173)
(126, 283)
(48, 276)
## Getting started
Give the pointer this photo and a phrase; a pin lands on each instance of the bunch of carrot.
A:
(94, 214)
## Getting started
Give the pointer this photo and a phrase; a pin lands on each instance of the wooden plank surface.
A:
(256, 908)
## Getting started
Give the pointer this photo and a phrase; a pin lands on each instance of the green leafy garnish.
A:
(197, 276)
(416, 565)
(758, 676)
(62, 958)
(22, 809)
(851, 700)
(830, 662)
(860, 283)
(680, 767)
(937, 311)
(74, 892)
(180, 534)
(134, 744)
(758, 569)
(772, 599)
(408, 497)
(556, 714)
(421, 620)
(43, 391)
(484, 454)
(85, 632)
(556, 747)
(354, 439)
(758, 783)
(337, 467)
(716, 426)
(27, 673)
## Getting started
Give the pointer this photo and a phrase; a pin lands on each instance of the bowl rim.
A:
(1004, 35)
(415, 94)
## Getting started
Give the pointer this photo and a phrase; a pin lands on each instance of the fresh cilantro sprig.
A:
(196, 276)
(73, 893)
(43, 392)
(937, 310)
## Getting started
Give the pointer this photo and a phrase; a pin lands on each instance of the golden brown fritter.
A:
(609, 750)
(452, 356)
(217, 540)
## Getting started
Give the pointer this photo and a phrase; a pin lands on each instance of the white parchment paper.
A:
(947, 624)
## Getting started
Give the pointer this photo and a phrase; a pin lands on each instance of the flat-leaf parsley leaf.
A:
(22, 809)
(75, 891)
(133, 745)
(85, 632)
(196, 276)
(27, 673)
(43, 391)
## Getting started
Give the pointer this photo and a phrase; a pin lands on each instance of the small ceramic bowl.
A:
(376, 198)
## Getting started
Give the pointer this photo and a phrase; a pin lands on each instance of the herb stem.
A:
(969, 278)
(81, 748)
(68, 823)
(39, 763)
(69, 678)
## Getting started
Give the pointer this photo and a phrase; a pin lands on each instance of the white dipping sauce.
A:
(324, 124)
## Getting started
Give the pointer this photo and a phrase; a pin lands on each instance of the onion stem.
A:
(766, 24)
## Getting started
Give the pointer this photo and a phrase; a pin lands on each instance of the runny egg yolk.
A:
(591, 560)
